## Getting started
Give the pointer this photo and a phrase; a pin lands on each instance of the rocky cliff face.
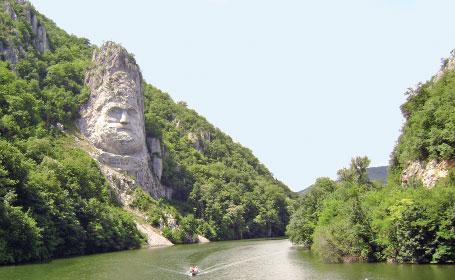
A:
(9, 10)
(39, 40)
(199, 140)
(428, 173)
(156, 152)
(447, 65)
(9, 52)
(13, 49)
(113, 122)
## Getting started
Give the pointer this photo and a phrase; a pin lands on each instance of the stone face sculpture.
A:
(113, 118)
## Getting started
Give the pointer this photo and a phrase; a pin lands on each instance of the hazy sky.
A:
(306, 85)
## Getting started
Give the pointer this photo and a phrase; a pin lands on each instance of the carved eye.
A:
(114, 113)
(132, 112)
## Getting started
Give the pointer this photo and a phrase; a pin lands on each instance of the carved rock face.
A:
(113, 118)
(118, 126)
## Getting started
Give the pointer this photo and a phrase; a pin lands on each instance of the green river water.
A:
(251, 259)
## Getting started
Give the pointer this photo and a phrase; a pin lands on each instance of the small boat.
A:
(194, 270)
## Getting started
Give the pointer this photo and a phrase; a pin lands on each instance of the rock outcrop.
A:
(123, 187)
(156, 152)
(428, 173)
(113, 120)
(40, 41)
(9, 52)
(200, 140)
(10, 49)
(202, 239)
(448, 64)
(9, 10)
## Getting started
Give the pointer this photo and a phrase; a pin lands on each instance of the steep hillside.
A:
(426, 147)
(54, 200)
(409, 220)
(219, 180)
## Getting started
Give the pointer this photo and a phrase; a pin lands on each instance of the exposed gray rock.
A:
(7, 49)
(9, 53)
(40, 40)
(10, 11)
(122, 185)
(170, 221)
(202, 239)
(12, 52)
(428, 173)
(448, 64)
(157, 155)
(113, 119)
(206, 136)
(200, 140)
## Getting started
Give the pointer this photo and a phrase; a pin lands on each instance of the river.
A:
(248, 259)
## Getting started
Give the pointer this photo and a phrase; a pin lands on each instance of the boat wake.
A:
(221, 266)
(213, 268)
(168, 270)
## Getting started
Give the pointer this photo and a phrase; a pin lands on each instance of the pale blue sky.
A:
(306, 85)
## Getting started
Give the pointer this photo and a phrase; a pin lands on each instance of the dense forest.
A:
(220, 182)
(354, 219)
(55, 202)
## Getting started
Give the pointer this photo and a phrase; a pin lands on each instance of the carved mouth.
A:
(119, 127)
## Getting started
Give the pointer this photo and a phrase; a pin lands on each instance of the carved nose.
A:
(124, 118)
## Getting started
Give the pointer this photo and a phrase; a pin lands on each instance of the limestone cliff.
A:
(426, 148)
(39, 40)
(156, 152)
(428, 173)
(14, 43)
(199, 140)
(448, 64)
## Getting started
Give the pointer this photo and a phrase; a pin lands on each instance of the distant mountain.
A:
(304, 191)
(378, 173)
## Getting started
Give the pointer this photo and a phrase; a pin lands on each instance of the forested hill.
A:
(54, 201)
(427, 142)
(411, 218)
(223, 182)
